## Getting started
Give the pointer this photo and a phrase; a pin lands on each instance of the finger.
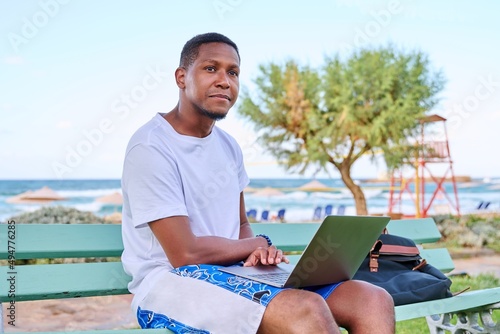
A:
(272, 253)
(263, 256)
(250, 261)
(255, 257)
(260, 255)
(279, 256)
(247, 263)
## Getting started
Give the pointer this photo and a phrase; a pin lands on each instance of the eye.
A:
(210, 68)
(233, 73)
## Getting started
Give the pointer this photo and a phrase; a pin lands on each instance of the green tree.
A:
(365, 104)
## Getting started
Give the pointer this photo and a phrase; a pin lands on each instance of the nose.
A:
(223, 80)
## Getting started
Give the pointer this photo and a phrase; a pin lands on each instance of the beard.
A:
(212, 115)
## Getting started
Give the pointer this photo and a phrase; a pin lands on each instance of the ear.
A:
(180, 77)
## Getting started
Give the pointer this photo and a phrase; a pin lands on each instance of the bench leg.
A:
(473, 322)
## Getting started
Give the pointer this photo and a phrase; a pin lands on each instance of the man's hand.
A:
(266, 256)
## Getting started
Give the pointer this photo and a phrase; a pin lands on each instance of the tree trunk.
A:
(357, 192)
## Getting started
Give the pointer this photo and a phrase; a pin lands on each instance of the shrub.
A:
(470, 231)
(58, 215)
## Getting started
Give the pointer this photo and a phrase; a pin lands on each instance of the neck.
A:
(189, 124)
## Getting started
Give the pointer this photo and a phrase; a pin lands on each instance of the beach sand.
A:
(110, 312)
(113, 312)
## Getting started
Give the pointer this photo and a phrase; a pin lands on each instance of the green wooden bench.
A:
(57, 281)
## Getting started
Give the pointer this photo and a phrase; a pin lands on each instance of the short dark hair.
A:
(191, 48)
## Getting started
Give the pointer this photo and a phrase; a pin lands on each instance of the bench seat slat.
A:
(297, 235)
(109, 276)
(422, 230)
(465, 301)
(439, 258)
(294, 237)
(56, 281)
(35, 241)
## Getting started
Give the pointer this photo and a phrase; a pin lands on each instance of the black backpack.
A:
(395, 264)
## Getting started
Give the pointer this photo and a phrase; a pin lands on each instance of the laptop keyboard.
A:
(273, 277)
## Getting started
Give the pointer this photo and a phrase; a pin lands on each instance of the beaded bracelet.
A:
(269, 242)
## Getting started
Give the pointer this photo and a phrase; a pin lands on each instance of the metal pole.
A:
(417, 187)
(453, 180)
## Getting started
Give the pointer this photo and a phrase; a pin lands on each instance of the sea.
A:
(299, 205)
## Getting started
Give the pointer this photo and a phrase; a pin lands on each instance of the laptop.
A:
(334, 254)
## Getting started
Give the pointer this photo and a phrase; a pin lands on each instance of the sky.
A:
(77, 78)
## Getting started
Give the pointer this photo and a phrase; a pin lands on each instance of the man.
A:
(184, 215)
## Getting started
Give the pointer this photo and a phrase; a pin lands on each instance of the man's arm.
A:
(269, 255)
(245, 228)
(182, 247)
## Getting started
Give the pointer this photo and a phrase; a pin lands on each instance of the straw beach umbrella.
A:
(268, 192)
(18, 198)
(114, 199)
(249, 190)
(314, 185)
(40, 196)
(45, 193)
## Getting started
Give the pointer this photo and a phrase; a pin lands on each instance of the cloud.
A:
(40, 74)
(64, 124)
(5, 131)
(6, 107)
(13, 60)
(495, 115)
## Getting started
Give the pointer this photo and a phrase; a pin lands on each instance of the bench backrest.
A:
(35, 241)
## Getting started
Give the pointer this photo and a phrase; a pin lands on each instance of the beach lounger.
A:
(252, 214)
(483, 205)
(264, 216)
(281, 215)
(317, 213)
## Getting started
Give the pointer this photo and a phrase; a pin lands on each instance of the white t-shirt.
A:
(168, 174)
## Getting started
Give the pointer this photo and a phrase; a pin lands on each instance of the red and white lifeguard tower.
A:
(430, 169)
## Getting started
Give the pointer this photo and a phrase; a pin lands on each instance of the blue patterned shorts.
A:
(254, 291)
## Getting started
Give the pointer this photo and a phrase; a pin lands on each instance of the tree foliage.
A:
(365, 104)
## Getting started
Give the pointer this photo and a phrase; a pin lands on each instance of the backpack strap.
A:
(374, 254)
(386, 249)
(399, 250)
(420, 265)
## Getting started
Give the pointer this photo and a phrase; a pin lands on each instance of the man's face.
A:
(211, 83)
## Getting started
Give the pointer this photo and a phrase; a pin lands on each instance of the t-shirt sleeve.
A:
(152, 185)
